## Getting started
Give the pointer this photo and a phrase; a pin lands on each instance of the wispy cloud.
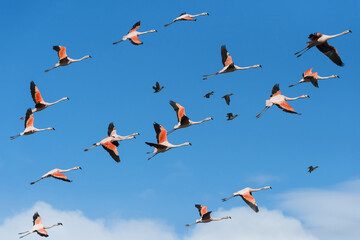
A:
(315, 214)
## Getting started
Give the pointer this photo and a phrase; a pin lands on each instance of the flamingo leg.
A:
(171, 131)
(36, 181)
(13, 137)
(51, 68)
(262, 112)
(152, 156)
(25, 234)
(94, 145)
(225, 199)
(294, 84)
(303, 52)
(300, 51)
(188, 225)
(118, 42)
(209, 76)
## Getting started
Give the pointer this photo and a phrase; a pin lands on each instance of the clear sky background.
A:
(116, 86)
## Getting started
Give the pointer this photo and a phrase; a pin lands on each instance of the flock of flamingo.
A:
(111, 142)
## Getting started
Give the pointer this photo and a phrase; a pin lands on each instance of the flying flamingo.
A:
(64, 60)
(57, 173)
(186, 17)
(38, 227)
(309, 76)
(162, 144)
(320, 41)
(111, 142)
(280, 101)
(29, 125)
(311, 168)
(205, 216)
(246, 195)
(228, 63)
(133, 35)
(40, 104)
(183, 120)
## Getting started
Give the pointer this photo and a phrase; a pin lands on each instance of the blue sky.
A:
(116, 86)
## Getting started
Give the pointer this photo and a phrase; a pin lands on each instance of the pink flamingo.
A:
(280, 101)
(205, 216)
(246, 195)
(228, 63)
(38, 227)
(309, 76)
(57, 174)
(133, 35)
(162, 144)
(320, 41)
(186, 17)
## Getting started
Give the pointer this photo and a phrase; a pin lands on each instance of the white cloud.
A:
(315, 214)
(328, 214)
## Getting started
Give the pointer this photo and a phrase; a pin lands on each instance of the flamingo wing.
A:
(29, 118)
(135, 40)
(313, 80)
(188, 18)
(286, 107)
(61, 52)
(250, 201)
(135, 27)
(35, 93)
(36, 219)
(155, 145)
(331, 53)
(225, 57)
(112, 150)
(185, 120)
(111, 129)
(161, 133)
(275, 91)
(202, 209)
(60, 176)
(157, 85)
(42, 232)
(206, 216)
(307, 72)
(180, 110)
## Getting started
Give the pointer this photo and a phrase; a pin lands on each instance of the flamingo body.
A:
(205, 216)
(38, 227)
(309, 76)
(186, 17)
(133, 35)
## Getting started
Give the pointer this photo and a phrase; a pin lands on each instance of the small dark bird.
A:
(231, 116)
(209, 94)
(311, 168)
(157, 87)
(227, 98)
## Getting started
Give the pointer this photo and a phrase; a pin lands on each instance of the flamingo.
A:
(246, 195)
(38, 227)
(57, 173)
(309, 76)
(64, 60)
(280, 101)
(186, 17)
(311, 168)
(112, 141)
(133, 35)
(231, 116)
(162, 144)
(157, 87)
(227, 98)
(208, 94)
(228, 63)
(40, 104)
(205, 216)
(320, 41)
(29, 125)
(183, 120)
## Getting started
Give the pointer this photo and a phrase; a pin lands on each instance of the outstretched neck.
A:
(206, 119)
(78, 60)
(68, 170)
(243, 68)
(151, 31)
(201, 14)
(337, 35)
(64, 98)
(332, 76)
(180, 145)
(219, 219)
(291, 99)
(45, 129)
(57, 224)
(259, 189)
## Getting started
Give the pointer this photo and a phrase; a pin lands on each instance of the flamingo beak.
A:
(350, 31)
(80, 168)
